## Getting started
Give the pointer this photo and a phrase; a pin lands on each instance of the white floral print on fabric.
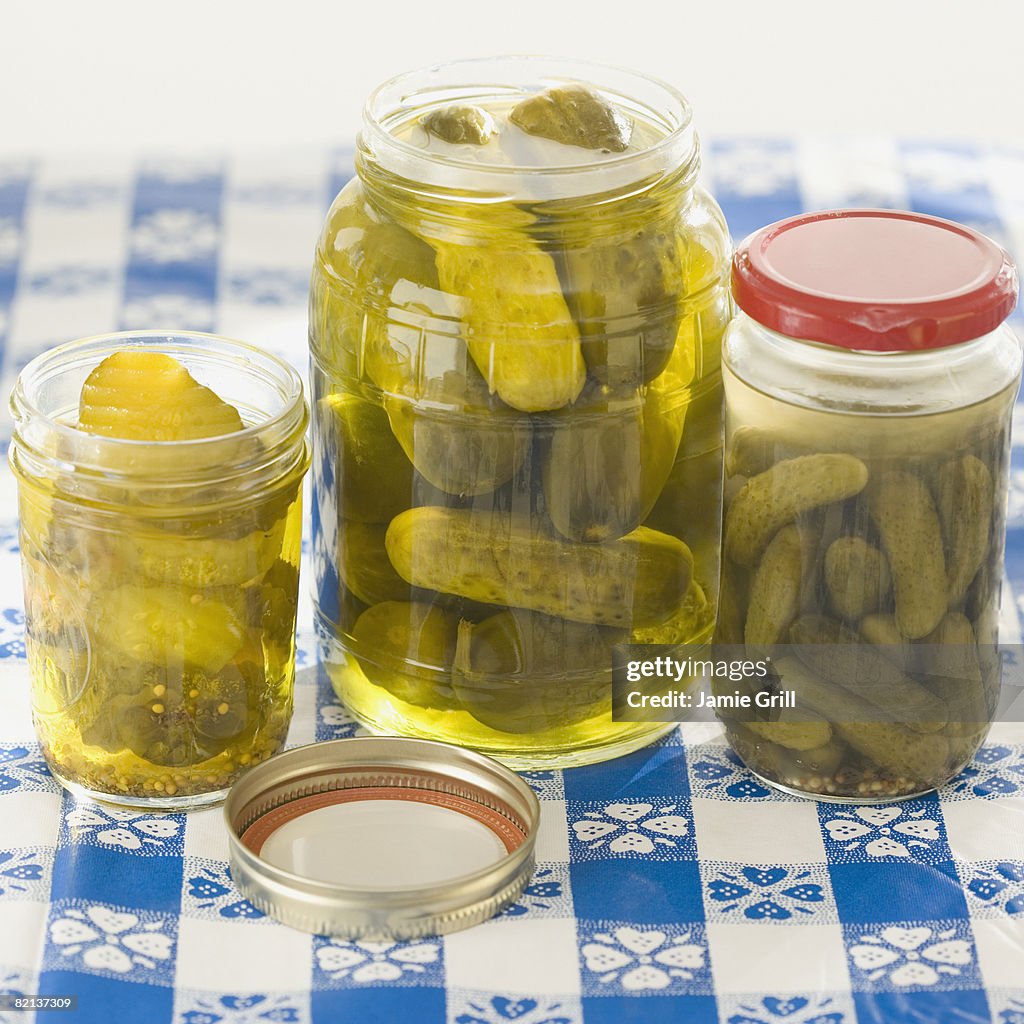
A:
(254, 1008)
(997, 770)
(792, 1009)
(761, 892)
(637, 828)
(364, 962)
(475, 1008)
(891, 831)
(102, 939)
(167, 308)
(922, 956)
(174, 236)
(131, 830)
(644, 959)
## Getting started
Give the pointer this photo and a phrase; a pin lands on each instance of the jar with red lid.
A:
(869, 384)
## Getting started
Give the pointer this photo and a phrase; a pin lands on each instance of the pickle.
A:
(948, 658)
(461, 123)
(732, 604)
(407, 647)
(838, 654)
(522, 671)
(516, 324)
(364, 566)
(857, 577)
(623, 289)
(964, 500)
(607, 462)
(694, 617)
(882, 631)
(389, 266)
(771, 499)
(631, 582)
(140, 395)
(904, 514)
(372, 476)
(201, 561)
(575, 116)
(751, 451)
(189, 724)
(462, 440)
(810, 734)
(893, 748)
(169, 626)
(775, 591)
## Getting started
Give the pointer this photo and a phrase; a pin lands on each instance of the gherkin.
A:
(522, 671)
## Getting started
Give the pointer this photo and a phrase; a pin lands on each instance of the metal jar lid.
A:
(381, 837)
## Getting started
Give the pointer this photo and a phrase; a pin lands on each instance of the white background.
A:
(194, 75)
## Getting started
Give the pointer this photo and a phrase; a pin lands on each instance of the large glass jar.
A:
(515, 326)
(869, 388)
(160, 577)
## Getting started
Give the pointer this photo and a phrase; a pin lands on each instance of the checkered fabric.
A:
(671, 885)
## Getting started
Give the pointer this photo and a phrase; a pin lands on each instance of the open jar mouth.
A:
(267, 392)
(397, 101)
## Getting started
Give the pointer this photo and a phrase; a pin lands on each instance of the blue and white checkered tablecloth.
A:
(756, 909)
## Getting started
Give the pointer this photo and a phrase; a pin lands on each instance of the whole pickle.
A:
(837, 654)
(607, 461)
(948, 659)
(507, 306)
(805, 734)
(771, 499)
(634, 581)
(461, 123)
(372, 476)
(521, 671)
(891, 746)
(694, 617)
(857, 577)
(407, 647)
(624, 290)
(775, 591)
(461, 439)
(752, 450)
(575, 116)
(904, 514)
(882, 631)
(964, 500)
(364, 566)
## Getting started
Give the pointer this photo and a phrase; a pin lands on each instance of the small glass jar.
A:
(515, 368)
(160, 577)
(869, 384)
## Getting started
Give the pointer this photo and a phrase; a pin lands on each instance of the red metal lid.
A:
(874, 280)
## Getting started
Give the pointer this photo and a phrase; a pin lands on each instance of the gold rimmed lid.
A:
(381, 837)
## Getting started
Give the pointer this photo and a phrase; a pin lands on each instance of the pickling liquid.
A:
(898, 573)
(488, 524)
(161, 655)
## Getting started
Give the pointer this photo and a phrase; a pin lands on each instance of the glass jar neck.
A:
(391, 165)
(161, 476)
(819, 376)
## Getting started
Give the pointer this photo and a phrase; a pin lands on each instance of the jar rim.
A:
(679, 146)
(23, 404)
(277, 431)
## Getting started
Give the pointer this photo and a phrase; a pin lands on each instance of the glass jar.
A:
(160, 576)
(869, 385)
(516, 375)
